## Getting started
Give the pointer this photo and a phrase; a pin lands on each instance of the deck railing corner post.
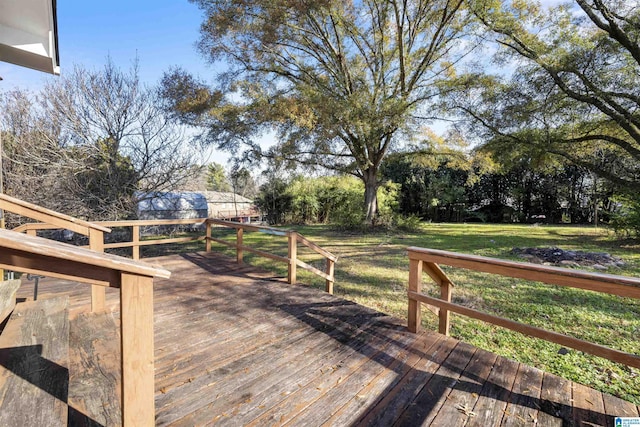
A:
(96, 243)
(239, 243)
(293, 256)
(415, 285)
(136, 332)
(208, 236)
(135, 248)
(331, 273)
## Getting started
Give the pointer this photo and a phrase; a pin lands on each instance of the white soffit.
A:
(29, 34)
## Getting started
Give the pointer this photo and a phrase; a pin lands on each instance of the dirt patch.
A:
(557, 256)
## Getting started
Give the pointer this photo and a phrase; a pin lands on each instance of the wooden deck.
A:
(236, 346)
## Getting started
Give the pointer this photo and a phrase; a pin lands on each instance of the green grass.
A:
(372, 270)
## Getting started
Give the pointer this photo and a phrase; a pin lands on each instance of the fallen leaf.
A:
(466, 410)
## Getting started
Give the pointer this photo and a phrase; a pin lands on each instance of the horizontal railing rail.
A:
(93, 231)
(36, 255)
(137, 227)
(236, 213)
(428, 261)
(291, 259)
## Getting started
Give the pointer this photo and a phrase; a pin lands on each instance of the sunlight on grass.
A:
(372, 270)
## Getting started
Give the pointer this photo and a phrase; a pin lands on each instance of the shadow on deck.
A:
(236, 346)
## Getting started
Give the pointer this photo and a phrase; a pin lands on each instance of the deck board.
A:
(235, 345)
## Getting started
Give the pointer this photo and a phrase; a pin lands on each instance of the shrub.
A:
(626, 219)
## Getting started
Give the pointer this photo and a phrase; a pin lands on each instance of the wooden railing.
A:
(291, 259)
(136, 227)
(36, 255)
(93, 231)
(428, 260)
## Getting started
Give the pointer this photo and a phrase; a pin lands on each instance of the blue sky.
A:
(161, 33)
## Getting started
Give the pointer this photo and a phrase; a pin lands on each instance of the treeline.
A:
(448, 189)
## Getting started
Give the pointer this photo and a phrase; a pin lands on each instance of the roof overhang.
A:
(29, 34)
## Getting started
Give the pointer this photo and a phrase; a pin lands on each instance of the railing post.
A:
(239, 253)
(444, 316)
(136, 329)
(96, 243)
(293, 257)
(415, 285)
(207, 244)
(330, 272)
(135, 249)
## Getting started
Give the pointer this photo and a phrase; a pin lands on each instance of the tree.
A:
(118, 142)
(217, 178)
(91, 144)
(574, 91)
(343, 82)
(33, 166)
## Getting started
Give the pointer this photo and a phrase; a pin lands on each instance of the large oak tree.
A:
(342, 82)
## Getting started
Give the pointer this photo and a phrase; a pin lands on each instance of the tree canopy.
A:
(575, 89)
(343, 82)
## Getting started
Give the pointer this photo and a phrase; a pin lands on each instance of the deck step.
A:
(8, 289)
(34, 354)
(94, 383)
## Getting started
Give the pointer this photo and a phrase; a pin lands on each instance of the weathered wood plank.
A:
(94, 383)
(425, 407)
(8, 290)
(588, 406)
(317, 401)
(424, 356)
(383, 384)
(524, 402)
(494, 396)
(458, 408)
(34, 354)
(264, 387)
(616, 407)
(555, 401)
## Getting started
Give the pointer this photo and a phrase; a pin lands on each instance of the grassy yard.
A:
(372, 270)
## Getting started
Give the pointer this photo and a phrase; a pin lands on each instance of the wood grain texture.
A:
(34, 354)
(624, 286)
(137, 353)
(94, 366)
(8, 290)
(19, 246)
(565, 340)
(20, 207)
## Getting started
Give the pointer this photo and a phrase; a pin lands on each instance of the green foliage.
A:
(109, 178)
(340, 81)
(274, 200)
(335, 200)
(626, 219)
(574, 89)
(217, 178)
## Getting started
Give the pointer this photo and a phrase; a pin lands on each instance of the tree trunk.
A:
(370, 195)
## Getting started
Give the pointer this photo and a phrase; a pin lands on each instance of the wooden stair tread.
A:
(34, 354)
(94, 383)
(8, 289)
